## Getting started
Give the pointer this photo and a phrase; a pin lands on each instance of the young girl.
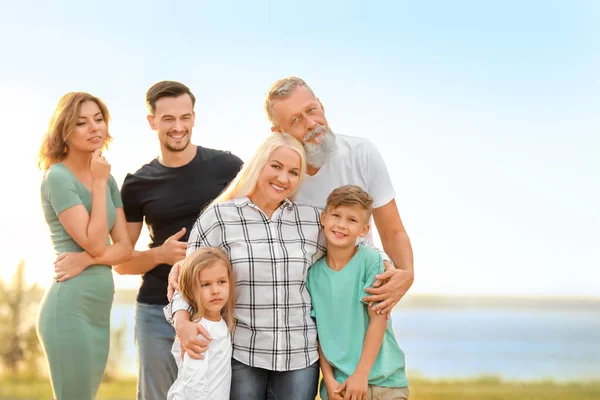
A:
(206, 282)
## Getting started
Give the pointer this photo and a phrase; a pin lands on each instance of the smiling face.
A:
(279, 178)
(90, 129)
(342, 225)
(299, 114)
(302, 115)
(173, 121)
(213, 290)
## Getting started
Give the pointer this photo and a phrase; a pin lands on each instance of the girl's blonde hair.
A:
(62, 124)
(189, 280)
(245, 181)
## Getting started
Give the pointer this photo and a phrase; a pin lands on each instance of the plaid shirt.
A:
(270, 259)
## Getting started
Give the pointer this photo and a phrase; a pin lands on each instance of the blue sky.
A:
(486, 114)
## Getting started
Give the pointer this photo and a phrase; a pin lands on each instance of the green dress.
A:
(74, 316)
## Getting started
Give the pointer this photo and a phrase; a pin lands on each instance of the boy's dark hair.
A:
(350, 195)
(166, 89)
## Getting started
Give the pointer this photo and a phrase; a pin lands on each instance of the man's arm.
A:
(171, 251)
(397, 245)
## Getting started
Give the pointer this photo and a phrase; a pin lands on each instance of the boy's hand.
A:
(331, 385)
(355, 387)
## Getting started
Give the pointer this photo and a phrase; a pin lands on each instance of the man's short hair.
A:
(350, 195)
(280, 90)
(166, 89)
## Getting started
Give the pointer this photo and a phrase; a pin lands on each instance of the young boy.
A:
(359, 355)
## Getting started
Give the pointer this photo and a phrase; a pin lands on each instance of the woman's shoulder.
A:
(214, 210)
(305, 209)
(57, 174)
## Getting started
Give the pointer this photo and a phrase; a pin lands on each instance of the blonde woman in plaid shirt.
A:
(271, 243)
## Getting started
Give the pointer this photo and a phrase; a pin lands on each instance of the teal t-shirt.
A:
(61, 190)
(342, 319)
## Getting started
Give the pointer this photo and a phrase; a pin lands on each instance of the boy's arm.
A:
(328, 378)
(358, 382)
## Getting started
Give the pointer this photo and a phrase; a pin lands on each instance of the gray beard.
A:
(318, 153)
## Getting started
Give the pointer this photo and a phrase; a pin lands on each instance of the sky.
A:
(486, 114)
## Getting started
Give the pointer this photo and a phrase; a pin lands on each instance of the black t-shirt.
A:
(170, 199)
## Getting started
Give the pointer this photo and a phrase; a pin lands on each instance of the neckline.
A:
(358, 250)
(157, 161)
(74, 176)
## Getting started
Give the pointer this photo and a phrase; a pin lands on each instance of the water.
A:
(511, 343)
(518, 343)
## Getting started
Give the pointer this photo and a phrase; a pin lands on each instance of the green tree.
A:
(19, 346)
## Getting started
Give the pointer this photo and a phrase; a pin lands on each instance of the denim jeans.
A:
(154, 338)
(250, 383)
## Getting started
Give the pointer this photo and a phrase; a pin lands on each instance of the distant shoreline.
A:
(128, 296)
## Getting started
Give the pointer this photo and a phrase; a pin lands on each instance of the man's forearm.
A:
(398, 247)
(140, 262)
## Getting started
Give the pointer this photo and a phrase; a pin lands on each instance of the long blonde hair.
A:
(62, 124)
(189, 281)
(245, 181)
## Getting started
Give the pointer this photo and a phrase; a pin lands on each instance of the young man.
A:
(168, 193)
(358, 353)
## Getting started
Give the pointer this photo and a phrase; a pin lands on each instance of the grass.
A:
(421, 389)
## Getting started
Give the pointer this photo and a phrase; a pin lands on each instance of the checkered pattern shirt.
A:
(270, 259)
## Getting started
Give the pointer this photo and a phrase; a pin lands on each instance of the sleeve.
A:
(177, 303)
(374, 266)
(309, 288)
(176, 352)
(114, 192)
(380, 183)
(195, 384)
(131, 201)
(362, 241)
(207, 230)
(236, 164)
(61, 191)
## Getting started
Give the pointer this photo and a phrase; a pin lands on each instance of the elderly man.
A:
(335, 160)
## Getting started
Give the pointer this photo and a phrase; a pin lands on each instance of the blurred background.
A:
(486, 114)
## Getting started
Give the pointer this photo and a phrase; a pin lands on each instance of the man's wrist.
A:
(157, 255)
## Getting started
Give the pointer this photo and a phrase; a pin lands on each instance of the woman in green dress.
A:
(83, 209)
